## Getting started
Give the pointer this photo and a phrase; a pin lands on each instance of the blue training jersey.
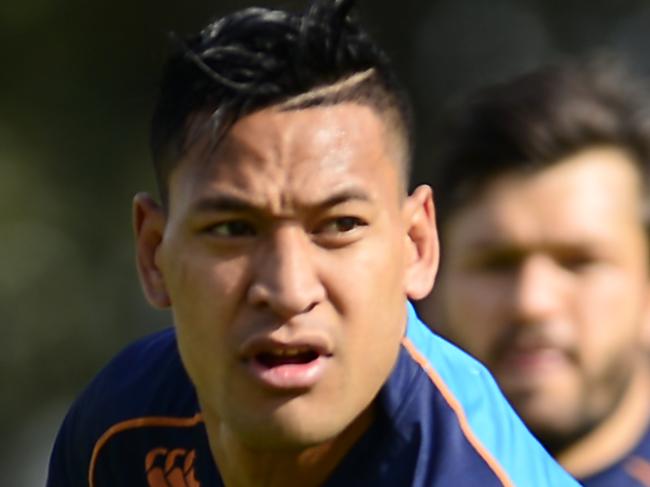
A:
(441, 421)
(633, 470)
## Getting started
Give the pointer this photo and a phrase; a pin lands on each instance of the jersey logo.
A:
(171, 468)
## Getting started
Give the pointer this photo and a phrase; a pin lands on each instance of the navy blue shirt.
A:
(441, 422)
(631, 471)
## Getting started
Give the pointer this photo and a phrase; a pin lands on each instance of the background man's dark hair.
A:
(258, 57)
(536, 120)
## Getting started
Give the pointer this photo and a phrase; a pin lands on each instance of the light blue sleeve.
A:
(482, 407)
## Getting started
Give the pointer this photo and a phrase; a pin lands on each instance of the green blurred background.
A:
(77, 84)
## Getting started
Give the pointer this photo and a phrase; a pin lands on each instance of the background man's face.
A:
(284, 260)
(545, 281)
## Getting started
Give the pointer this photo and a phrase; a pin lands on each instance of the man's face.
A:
(545, 281)
(285, 259)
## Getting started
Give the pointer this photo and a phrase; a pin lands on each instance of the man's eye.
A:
(232, 228)
(342, 224)
(576, 262)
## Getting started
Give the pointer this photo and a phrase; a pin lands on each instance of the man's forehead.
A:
(319, 149)
(268, 129)
(586, 203)
(348, 124)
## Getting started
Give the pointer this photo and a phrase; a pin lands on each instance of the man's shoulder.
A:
(463, 381)
(460, 404)
(146, 378)
(142, 394)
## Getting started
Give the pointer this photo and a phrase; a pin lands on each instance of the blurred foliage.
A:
(77, 85)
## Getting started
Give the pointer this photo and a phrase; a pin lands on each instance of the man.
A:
(542, 205)
(286, 247)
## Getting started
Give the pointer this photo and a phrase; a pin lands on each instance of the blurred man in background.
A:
(542, 198)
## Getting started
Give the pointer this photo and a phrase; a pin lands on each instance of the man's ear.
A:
(422, 242)
(149, 226)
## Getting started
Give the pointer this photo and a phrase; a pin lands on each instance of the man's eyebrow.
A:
(343, 196)
(227, 202)
(222, 203)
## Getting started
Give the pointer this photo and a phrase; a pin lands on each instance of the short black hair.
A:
(258, 57)
(533, 121)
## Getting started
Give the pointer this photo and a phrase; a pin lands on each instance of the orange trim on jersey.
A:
(460, 413)
(134, 423)
(639, 468)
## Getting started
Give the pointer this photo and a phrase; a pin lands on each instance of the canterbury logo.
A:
(171, 468)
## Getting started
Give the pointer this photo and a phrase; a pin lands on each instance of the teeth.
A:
(289, 352)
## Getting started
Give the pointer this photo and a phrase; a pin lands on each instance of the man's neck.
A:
(617, 435)
(242, 466)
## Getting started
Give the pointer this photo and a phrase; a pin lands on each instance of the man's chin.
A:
(539, 393)
(555, 425)
(287, 435)
(557, 440)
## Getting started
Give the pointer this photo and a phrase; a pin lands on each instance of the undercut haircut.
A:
(534, 121)
(256, 58)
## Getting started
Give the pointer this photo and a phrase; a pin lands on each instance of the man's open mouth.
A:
(286, 356)
(288, 366)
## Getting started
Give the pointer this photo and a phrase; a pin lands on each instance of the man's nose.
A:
(286, 277)
(539, 289)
